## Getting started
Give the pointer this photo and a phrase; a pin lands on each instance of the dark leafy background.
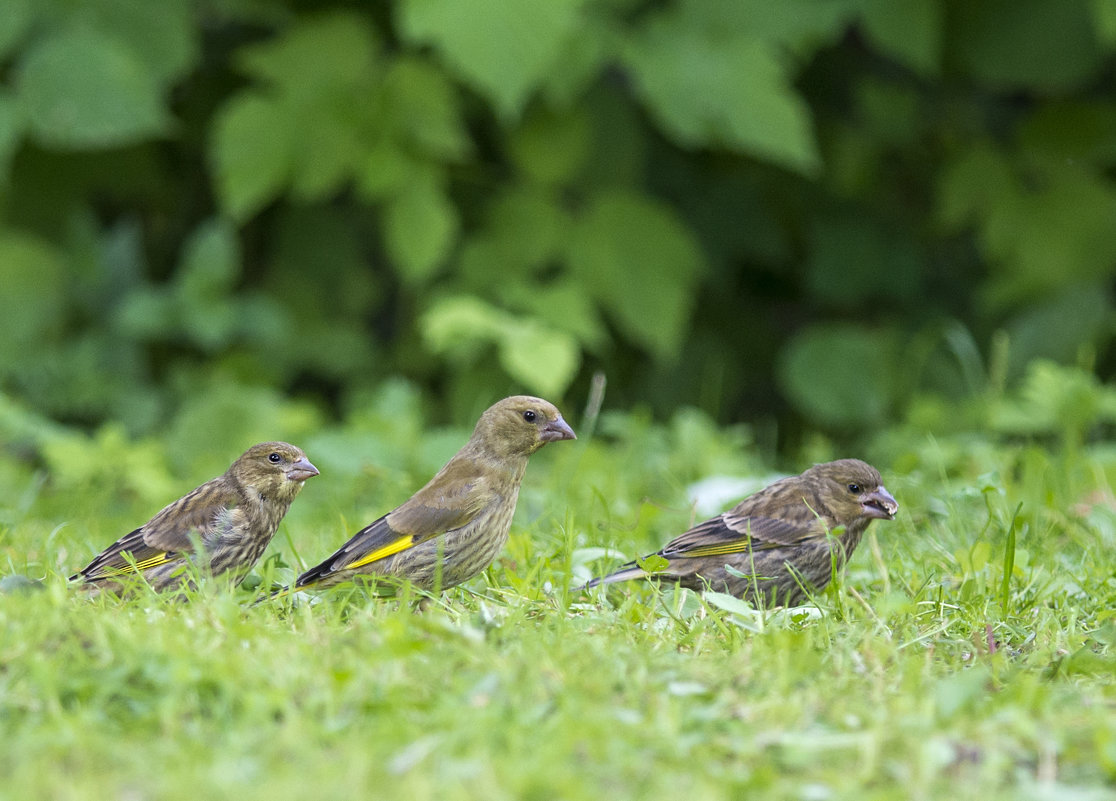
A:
(823, 215)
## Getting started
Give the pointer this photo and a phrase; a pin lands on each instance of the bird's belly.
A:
(452, 558)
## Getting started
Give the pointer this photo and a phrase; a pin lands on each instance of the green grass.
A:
(925, 674)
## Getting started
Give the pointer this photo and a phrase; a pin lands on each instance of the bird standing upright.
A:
(781, 543)
(452, 528)
(232, 518)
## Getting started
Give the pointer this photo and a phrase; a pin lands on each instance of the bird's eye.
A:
(274, 458)
(529, 416)
(854, 489)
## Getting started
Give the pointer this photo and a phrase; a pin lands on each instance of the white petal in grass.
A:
(1056, 791)
(713, 495)
(581, 557)
(492, 617)
(795, 614)
(686, 689)
(411, 755)
(632, 717)
(748, 617)
(815, 792)
(802, 748)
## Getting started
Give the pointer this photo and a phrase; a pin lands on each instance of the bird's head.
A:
(520, 425)
(273, 469)
(853, 490)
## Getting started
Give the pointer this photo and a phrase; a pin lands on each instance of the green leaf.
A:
(210, 262)
(82, 89)
(730, 603)
(212, 324)
(385, 169)
(525, 232)
(726, 89)
(1057, 326)
(18, 16)
(846, 252)
(1104, 18)
(910, 31)
(325, 76)
(420, 226)
(551, 148)
(955, 692)
(33, 302)
(449, 320)
(328, 151)
(971, 185)
(1068, 221)
(148, 312)
(316, 55)
(163, 34)
(251, 154)
(800, 26)
(583, 57)
(1025, 44)
(503, 48)
(1072, 130)
(838, 375)
(1053, 212)
(653, 563)
(562, 304)
(11, 130)
(641, 263)
(541, 358)
(423, 105)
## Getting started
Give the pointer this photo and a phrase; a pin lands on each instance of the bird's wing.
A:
(448, 502)
(129, 554)
(169, 534)
(211, 508)
(730, 533)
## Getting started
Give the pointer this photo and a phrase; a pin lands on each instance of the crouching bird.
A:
(452, 528)
(231, 518)
(775, 547)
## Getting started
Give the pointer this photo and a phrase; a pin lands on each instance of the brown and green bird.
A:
(780, 544)
(232, 518)
(452, 528)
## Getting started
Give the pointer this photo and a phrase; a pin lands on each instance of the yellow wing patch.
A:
(401, 544)
(740, 546)
(153, 561)
(136, 567)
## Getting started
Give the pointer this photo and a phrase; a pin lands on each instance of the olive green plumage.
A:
(232, 517)
(454, 527)
(778, 544)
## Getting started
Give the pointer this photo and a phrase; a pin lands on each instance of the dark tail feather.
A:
(282, 592)
(626, 573)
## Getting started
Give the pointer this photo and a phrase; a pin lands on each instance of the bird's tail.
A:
(625, 573)
(282, 592)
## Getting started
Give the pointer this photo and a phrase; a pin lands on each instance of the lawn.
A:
(921, 674)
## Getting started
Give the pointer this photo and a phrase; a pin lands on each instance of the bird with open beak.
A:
(782, 543)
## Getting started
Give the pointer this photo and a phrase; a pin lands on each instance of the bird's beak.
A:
(555, 430)
(302, 470)
(879, 504)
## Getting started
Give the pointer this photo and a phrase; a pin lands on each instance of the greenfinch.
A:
(454, 527)
(778, 545)
(224, 525)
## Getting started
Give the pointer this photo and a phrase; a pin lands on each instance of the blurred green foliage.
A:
(824, 213)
